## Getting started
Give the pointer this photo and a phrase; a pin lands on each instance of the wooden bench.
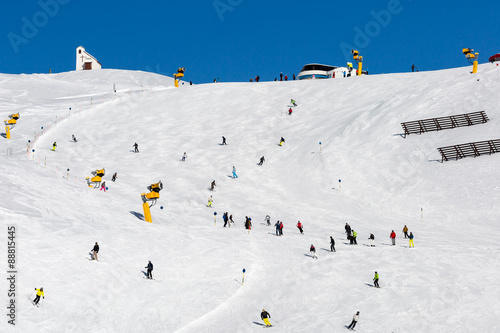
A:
(469, 149)
(441, 123)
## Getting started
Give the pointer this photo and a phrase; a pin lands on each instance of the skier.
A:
(286, 77)
(103, 187)
(268, 219)
(184, 157)
(234, 172)
(257, 78)
(225, 218)
(136, 147)
(299, 225)
(210, 202)
(281, 228)
(224, 141)
(74, 139)
(372, 240)
(411, 240)
(262, 160)
(413, 67)
(249, 223)
(293, 76)
(212, 185)
(393, 237)
(265, 317)
(150, 269)
(293, 102)
(405, 231)
(353, 237)
(231, 220)
(114, 177)
(375, 280)
(282, 141)
(94, 251)
(290, 111)
(312, 250)
(348, 230)
(281, 76)
(54, 145)
(354, 321)
(332, 244)
(39, 292)
(277, 225)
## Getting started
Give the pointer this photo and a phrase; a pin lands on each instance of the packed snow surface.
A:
(344, 160)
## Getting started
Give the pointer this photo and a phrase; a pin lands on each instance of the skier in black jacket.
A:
(265, 317)
(95, 250)
(332, 244)
(150, 269)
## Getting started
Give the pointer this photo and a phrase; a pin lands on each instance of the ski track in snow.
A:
(447, 283)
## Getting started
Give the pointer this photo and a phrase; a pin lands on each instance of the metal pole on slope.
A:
(243, 279)
(215, 218)
(340, 185)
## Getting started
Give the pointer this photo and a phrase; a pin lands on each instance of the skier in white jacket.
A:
(354, 321)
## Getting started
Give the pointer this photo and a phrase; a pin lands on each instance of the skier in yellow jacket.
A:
(39, 292)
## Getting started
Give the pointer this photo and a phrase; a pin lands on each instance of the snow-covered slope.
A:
(446, 283)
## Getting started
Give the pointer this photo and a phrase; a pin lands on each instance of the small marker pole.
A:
(33, 151)
(243, 279)
(421, 213)
(340, 185)
(215, 218)
(67, 173)
(320, 146)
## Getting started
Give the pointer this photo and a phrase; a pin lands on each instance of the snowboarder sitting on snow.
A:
(282, 141)
(114, 177)
(262, 160)
(136, 147)
(265, 315)
(312, 249)
(74, 139)
(293, 102)
(375, 280)
(354, 321)
(332, 244)
(95, 250)
(212, 185)
(299, 225)
(39, 292)
(150, 269)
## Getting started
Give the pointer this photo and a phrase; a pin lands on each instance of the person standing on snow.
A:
(231, 220)
(282, 141)
(405, 231)
(210, 201)
(281, 228)
(354, 321)
(184, 157)
(372, 240)
(39, 292)
(268, 219)
(375, 280)
(299, 225)
(332, 244)
(264, 315)
(290, 111)
(114, 177)
(277, 225)
(353, 237)
(393, 237)
(234, 172)
(150, 269)
(411, 240)
(347, 230)
(225, 218)
(73, 137)
(262, 160)
(136, 147)
(95, 251)
(212, 185)
(54, 145)
(281, 76)
(312, 250)
(293, 76)
(103, 187)
(224, 141)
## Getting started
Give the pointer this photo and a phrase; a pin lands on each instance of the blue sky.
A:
(238, 39)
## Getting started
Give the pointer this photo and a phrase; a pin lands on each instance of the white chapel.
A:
(85, 61)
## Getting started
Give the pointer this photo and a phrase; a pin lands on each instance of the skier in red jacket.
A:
(393, 237)
(299, 225)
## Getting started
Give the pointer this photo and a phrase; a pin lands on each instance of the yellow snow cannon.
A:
(12, 121)
(471, 57)
(359, 60)
(154, 193)
(180, 73)
(96, 180)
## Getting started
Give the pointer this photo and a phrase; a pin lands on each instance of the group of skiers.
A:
(351, 236)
